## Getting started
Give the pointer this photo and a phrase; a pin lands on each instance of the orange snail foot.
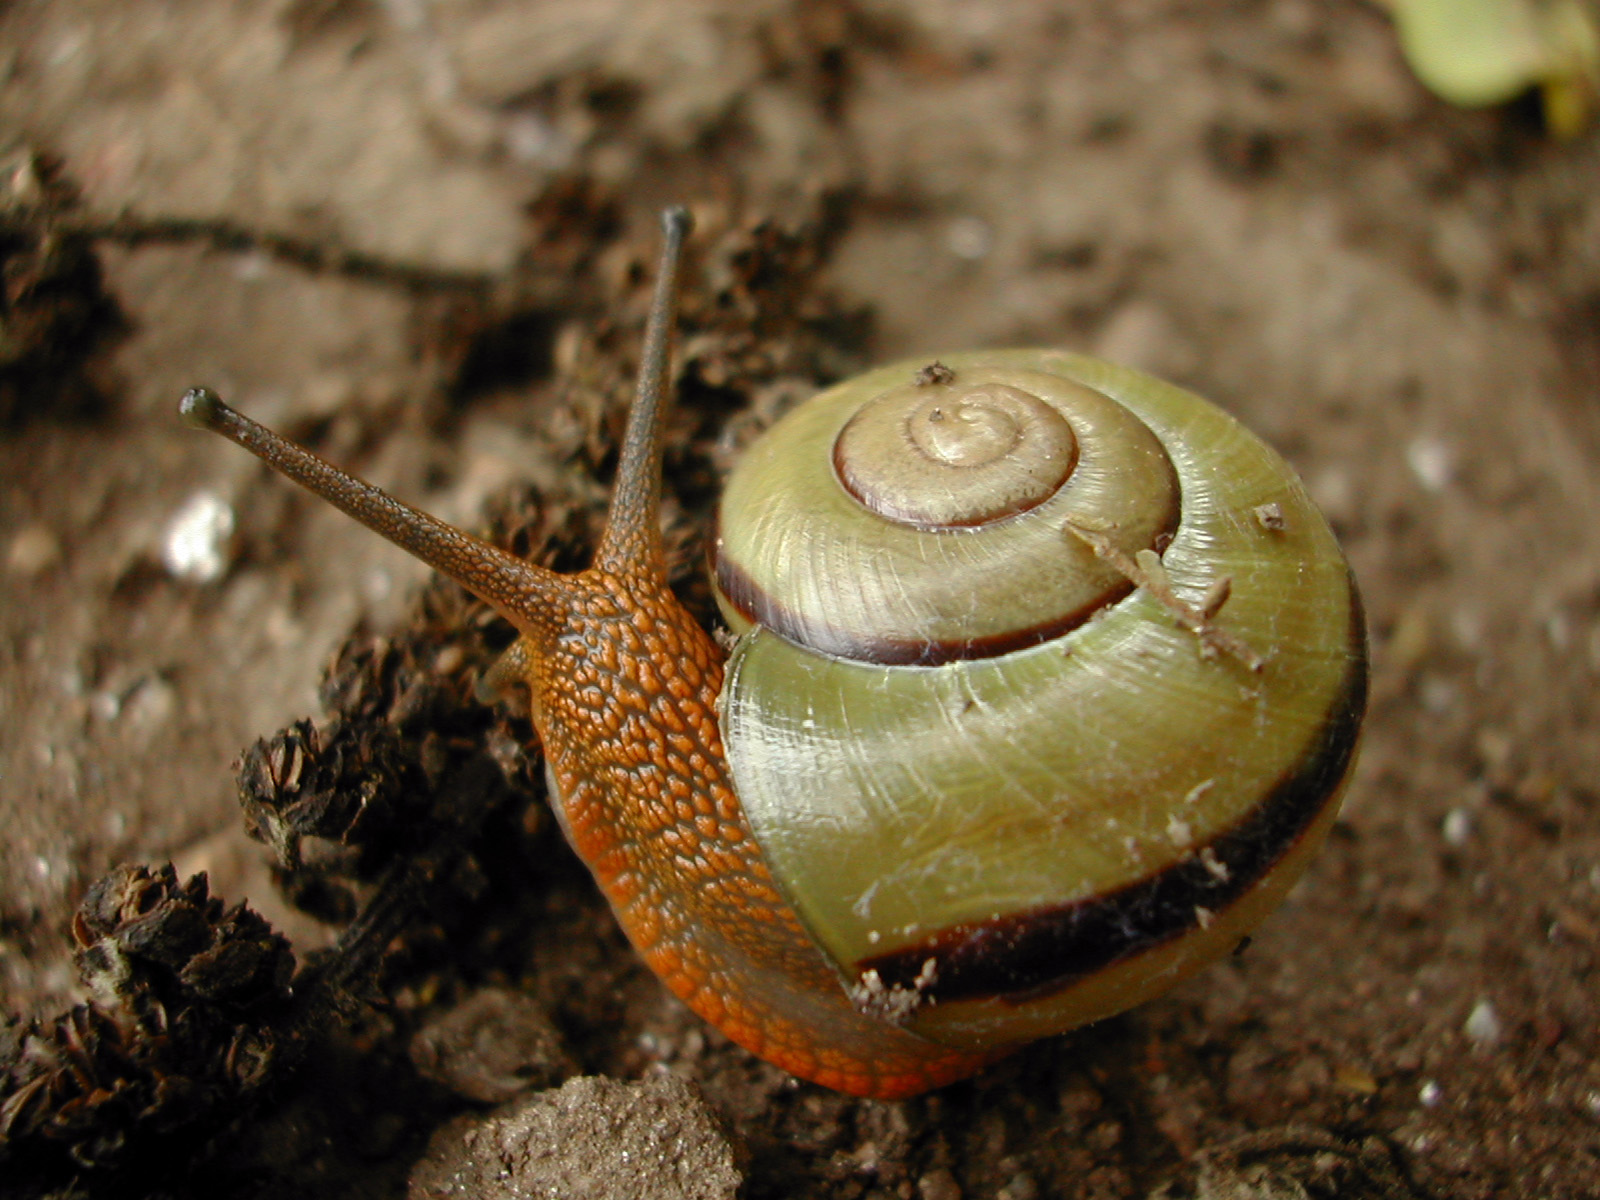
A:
(909, 1066)
(873, 1082)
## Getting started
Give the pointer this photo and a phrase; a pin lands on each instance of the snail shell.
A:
(1047, 681)
(1000, 784)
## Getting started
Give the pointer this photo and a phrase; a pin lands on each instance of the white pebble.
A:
(1483, 1026)
(1558, 629)
(106, 705)
(531, 139)
(1457, 827)
(197, 542)
(1431, 462)
(150, 705)
(1335, 493)
(969, 238)
(33, 551)
(1438, 695)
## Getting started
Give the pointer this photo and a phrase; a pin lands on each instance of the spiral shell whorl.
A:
(1049, 830)
(818, 544)
(947, 455)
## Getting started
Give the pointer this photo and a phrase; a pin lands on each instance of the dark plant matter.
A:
(283, 911)
(55, 315)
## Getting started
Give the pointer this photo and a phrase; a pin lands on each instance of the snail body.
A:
(932, 808)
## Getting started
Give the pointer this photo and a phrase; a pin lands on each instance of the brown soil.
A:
(416, 235)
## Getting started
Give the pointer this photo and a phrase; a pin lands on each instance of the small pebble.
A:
(1431, 462)
(150, 704)
(33, 551)
(938, 1185)
(1457, 827)
(1335, 493)
(1438, 695)
(1558, 630)
(493, 1046)
(198, 541)
(1430, 1094)
(1483, 1026)
(969, 238)
(531, 139)
(590, 1139)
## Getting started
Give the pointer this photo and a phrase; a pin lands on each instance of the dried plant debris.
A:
(570, 221)
(292, 788)
(761, 311)
(55, 314)
(380, 780)
(756, 334)
(191, 1018)
(193, 1014)
(750, 313)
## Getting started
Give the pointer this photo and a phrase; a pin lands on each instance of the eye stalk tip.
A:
(676, 220)
(202, 408)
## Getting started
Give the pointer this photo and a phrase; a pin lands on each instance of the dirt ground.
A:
(418, 235)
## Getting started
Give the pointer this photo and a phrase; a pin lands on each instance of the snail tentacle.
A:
(523, 592)
(632, 539)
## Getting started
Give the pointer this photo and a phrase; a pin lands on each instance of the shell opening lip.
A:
(1029, 955)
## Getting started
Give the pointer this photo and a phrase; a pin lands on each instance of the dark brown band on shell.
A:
(1022, 957)
(760, 609)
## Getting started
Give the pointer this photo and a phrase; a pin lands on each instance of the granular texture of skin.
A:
(646, 800)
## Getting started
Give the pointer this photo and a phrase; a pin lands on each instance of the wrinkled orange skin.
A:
(625, 688)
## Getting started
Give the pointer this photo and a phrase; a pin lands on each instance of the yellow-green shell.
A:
(910, 808)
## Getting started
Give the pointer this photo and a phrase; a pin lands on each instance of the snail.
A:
(1046, 683)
